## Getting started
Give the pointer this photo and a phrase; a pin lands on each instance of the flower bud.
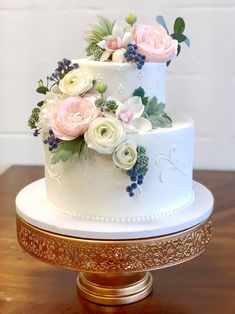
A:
(101, 88)
(131, 19)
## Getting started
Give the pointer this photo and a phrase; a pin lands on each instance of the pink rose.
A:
(154, 42)
(72, 116)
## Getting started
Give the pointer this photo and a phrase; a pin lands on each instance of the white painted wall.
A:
(34, 34)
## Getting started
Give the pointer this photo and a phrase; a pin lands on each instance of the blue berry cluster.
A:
(138, 172)
(64, 66)
(52, 141)
(132, 55)
(36, 132)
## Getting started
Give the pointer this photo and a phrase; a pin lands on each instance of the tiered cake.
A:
(112, 153)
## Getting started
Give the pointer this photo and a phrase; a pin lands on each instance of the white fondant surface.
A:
(123, 78)
(96, 189)
(32, 206)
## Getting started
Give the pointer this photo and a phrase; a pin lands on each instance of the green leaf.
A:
(40, 103)
(161, 121)
(161, 21)
(179, 25)
(42, 90)
(68, 148)
(178, 50)
(141, 93)
(168, 63)
(101, 30)
(105, 24)
(154, 112)
(178, 36)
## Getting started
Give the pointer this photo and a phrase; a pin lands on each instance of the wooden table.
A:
(205, 285)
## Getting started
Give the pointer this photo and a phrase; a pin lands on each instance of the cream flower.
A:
(76, 82)
(104, 135)
(45, 112)
(125, 155)
(116, 44)
(130, 114)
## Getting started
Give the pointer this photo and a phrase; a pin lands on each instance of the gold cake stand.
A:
(114, 272)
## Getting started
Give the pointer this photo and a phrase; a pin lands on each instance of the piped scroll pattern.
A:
(173, 163)
(114, 256)
(55, 172)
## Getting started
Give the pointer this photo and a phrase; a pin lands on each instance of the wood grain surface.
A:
(205, 285)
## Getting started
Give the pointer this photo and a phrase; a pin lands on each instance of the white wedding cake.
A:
(112, 153)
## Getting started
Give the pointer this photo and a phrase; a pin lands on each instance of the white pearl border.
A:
(128, 219)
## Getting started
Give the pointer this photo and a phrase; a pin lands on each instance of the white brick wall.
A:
(201, 82)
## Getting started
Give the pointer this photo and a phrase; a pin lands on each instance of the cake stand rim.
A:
(77, 227)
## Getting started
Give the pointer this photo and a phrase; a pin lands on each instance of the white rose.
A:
(45, 111)
(76, 83)
(104, 135)
(125, 155)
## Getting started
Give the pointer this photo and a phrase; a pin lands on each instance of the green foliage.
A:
(141, 93)
(68, 148)
(100, 102)
(179, 37)
(101, 30)
(111, 106)
(33, 119)
(42, 90)
(179, 25)
(155, 113)
(141, 165)
(40, 103)
(95, 51)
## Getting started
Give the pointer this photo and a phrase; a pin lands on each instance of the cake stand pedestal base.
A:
(114, 272)
(115, 288)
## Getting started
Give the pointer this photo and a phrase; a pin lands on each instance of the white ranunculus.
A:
(125, 155)
(104, 135)
(45, 111)
(76, 82)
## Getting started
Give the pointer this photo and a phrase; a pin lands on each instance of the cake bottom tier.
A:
(95, 189)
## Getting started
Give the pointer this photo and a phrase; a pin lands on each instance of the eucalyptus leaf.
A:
(187, 42)
(161, 21)
(42, 90)
(179, 25)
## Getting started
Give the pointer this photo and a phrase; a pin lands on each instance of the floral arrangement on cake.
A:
(136, 43)
(76, 118)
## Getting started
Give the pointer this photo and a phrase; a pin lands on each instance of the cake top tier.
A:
(93, 106)
(129, 41)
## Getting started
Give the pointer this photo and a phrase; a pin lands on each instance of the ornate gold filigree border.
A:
(114, 255)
